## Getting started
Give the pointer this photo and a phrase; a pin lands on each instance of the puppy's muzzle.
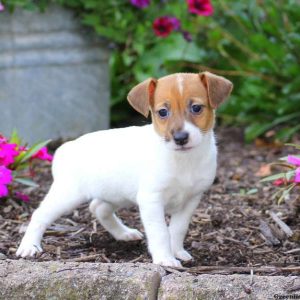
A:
(181, 138)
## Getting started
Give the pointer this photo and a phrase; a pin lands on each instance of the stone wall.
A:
(54, 78)
(20, 279)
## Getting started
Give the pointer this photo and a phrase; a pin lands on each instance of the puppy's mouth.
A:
(183, 148)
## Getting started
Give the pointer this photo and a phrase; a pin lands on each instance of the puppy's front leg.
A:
(179, 226)
(153, 218)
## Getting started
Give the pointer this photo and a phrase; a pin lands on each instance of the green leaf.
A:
(257, 129)
(252, 191)
(14, 138)
(289, 175)
(286, 133)
(24, 156)
(273, 177)
(293, 145)
(26, 181)
(286, 192)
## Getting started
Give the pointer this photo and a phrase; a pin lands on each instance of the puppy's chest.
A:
(185, 186)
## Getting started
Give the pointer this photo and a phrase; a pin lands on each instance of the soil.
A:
(232, 226)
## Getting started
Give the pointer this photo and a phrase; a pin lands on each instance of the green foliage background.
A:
(254, 43)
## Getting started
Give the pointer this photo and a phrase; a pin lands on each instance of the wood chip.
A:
(267, 233)
(85, 258)
(284, 227)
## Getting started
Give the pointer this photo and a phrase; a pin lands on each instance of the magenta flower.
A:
(163, 26)
(187, 36)
(2, 7)
(297, 176)
(5, 178)
(200, 7)
(23, 197)
(5, 175)
(7, 153)
(278, 182)
(175, 22)
(43, 154)
(140, 3)
(2, 139)
(296, 162)
(3, 190)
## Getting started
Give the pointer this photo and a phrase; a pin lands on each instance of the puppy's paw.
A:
(183, 255)
(130, 234)
(28, 249)
(168, 262)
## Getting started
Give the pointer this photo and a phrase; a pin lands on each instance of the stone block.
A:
(24, 279)
(83, 281)
(208, 287)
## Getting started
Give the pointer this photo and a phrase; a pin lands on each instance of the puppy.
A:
(163, 168)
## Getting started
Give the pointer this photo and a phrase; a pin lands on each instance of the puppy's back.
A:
(106, 163)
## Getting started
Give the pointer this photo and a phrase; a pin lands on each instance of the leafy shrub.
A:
(254, 43)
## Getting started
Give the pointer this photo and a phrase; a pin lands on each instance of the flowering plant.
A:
(288, 180)
(15, 163)
(253, 43)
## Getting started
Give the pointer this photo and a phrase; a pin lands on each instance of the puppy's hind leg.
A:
(104, 212)
(59, 201)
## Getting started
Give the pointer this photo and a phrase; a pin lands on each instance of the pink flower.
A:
(23, 197)
(297, 176)
(43, 154)
(3, 190)
(278, 182)
(294, 160)
(175, 22)
(140, 3)
(187, 36)
(2, 139)
(5, 178)
(163, 26)
(7, 153)
(2, 7)
(200, 7)
(5, 175)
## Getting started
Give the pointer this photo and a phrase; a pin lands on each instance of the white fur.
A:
(121, 167)
(195, 138)
(180, 83)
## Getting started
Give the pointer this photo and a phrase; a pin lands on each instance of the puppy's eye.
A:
(163, 113)
(196, 109)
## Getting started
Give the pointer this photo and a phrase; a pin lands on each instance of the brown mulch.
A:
(234, 230)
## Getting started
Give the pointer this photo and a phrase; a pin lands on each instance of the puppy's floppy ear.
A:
(141, 96)
(218, 88)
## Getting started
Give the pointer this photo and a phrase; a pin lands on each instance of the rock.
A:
(2, 256)
(223, 287)
(54, 76)
(22, 279)
(54, 280)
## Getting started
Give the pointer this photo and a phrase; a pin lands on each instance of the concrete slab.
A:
(23, 279)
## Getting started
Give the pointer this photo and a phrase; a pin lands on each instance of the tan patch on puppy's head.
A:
(178, 98)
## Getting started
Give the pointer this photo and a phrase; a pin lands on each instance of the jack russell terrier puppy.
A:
(163, 168)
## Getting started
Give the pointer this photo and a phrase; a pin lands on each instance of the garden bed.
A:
(229, 233)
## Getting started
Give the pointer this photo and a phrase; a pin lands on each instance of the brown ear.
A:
(141, 96)
(218, 88)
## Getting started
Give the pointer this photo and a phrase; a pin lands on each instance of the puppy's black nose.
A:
(181, 137)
